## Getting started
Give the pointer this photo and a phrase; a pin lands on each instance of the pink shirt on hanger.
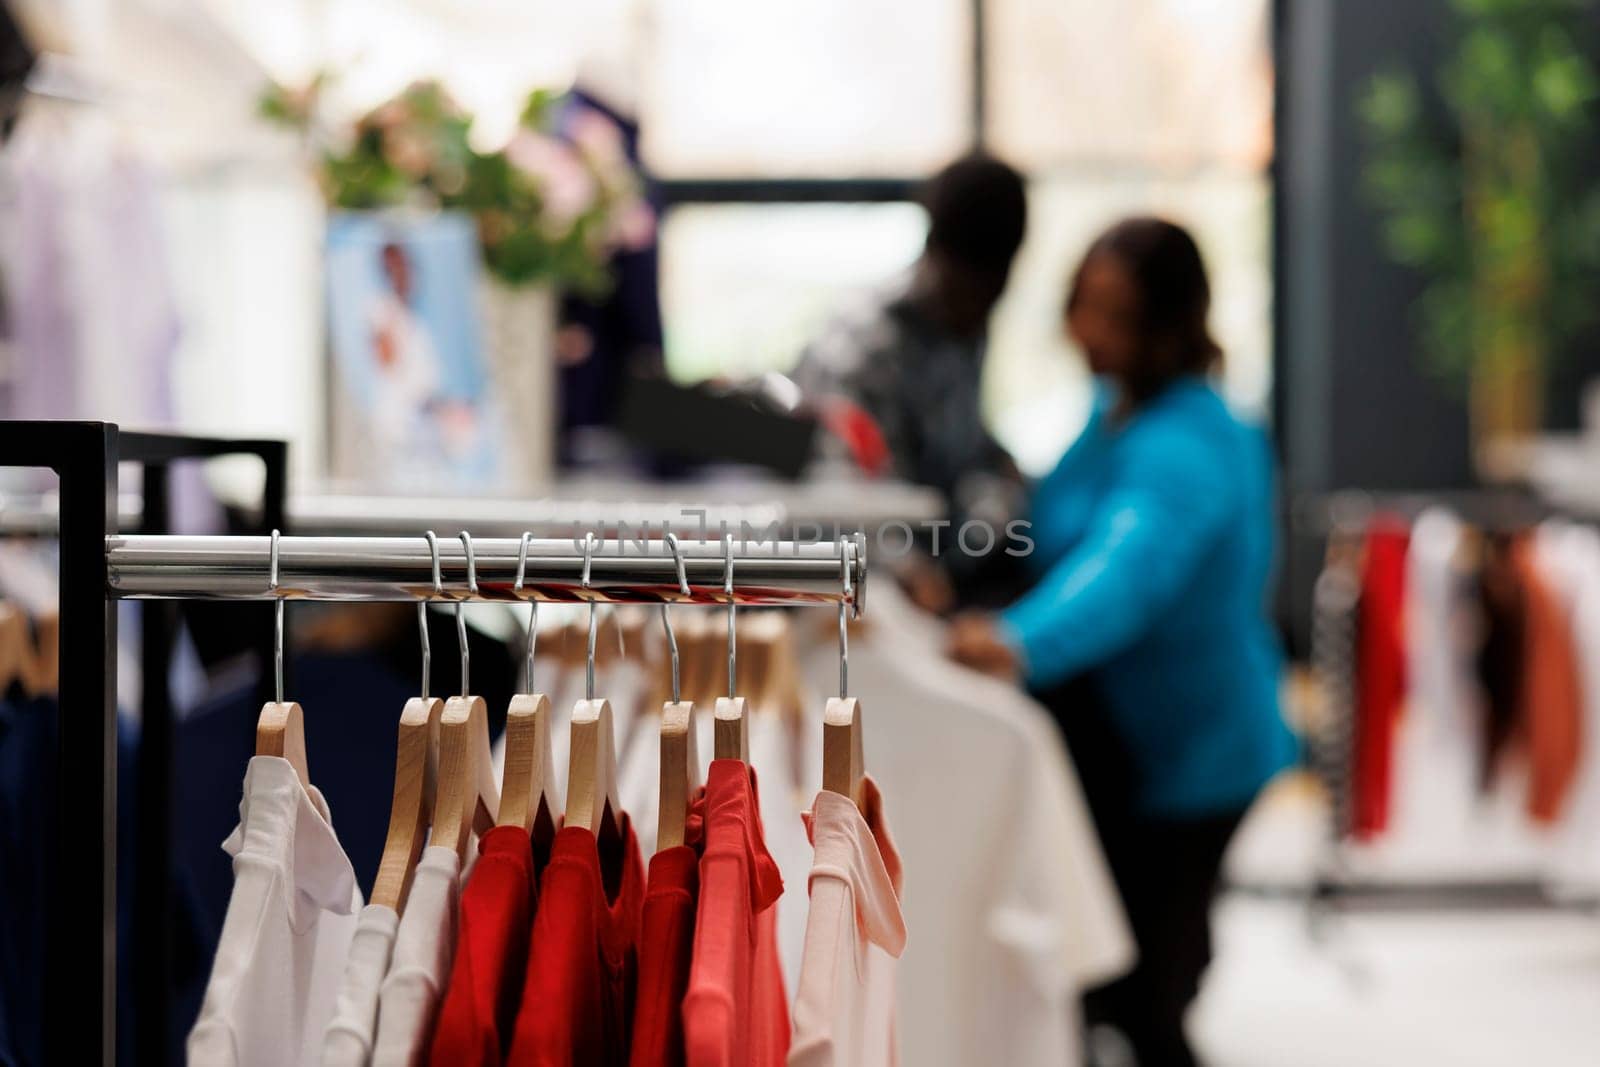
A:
(844, 1004)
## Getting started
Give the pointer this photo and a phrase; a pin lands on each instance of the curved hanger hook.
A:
(277, 619)
(588, 561)
(844, 629)
(422, 613)
(533, 619)
(727, 587)
(461, 622)
(666, 622)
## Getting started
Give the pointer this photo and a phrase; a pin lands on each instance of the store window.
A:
(745, 286)
(826, 88)
(1159, 106)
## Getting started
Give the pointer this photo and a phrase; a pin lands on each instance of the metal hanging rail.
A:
(401, 569)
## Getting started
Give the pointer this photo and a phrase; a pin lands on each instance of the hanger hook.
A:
(461, 622)
(277, 620)
(533, 619)
(727, 587)
(422, 613)
(666, 622)
(844, 629)
(588, 561)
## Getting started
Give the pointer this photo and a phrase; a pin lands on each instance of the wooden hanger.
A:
(45, 678)
(842, 764)
(527, 795)
(680, 757)
(732, 734)
(592, 768)
(468, 797)
(680, 773)
(731, 715)
(415, 788)
(281, 727)
(592, 753)
(16, 653)
(281, 732)
(774, 677)
(527, 784)
(700, 661)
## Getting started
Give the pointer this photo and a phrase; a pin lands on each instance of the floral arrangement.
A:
(549, 209)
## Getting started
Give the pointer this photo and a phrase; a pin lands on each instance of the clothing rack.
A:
(1335, 888)
(768, 572)
(99, 566)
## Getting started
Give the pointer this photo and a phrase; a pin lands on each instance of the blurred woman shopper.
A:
(1154, 543)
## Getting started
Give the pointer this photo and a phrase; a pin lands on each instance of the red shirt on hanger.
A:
(666, 946)
(735, 1013)
(479, 1005)
(577, 996)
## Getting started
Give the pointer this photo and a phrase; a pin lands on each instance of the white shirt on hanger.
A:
(424, 948)
(347, 1042)
(288, 928)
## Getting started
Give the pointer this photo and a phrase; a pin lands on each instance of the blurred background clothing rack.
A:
(1338, 884)
(99, 565)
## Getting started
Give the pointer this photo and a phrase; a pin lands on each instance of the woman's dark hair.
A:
(1174, 300)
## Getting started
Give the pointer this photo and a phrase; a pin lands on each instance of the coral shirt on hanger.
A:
(735, 1012)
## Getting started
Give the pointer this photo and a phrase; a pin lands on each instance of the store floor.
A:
(1388, 989)
(1400, 990)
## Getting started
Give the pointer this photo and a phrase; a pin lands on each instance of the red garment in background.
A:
(1380, 673)
(479, 1006)
(1551, 711)
(666, 946)
(577, 995)
(736, 1013)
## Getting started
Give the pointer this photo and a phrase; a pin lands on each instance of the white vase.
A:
(519, 330)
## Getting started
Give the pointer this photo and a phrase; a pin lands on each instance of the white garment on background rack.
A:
(1438, 741)
(288, 928)
(1009, 905)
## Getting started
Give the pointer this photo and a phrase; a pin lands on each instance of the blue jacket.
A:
(1154, 542)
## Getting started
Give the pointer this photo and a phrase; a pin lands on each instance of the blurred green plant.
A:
(548, 210)
(1486, 197)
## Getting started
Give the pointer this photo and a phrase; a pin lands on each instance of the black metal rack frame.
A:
(79, 980)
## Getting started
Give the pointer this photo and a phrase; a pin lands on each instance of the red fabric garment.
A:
(479, 1005)
(736, 1013)
(1380, 673)
(1551, 711)
(666, 945)
(577, 995)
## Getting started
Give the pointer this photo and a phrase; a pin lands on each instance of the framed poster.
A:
(413, 408)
